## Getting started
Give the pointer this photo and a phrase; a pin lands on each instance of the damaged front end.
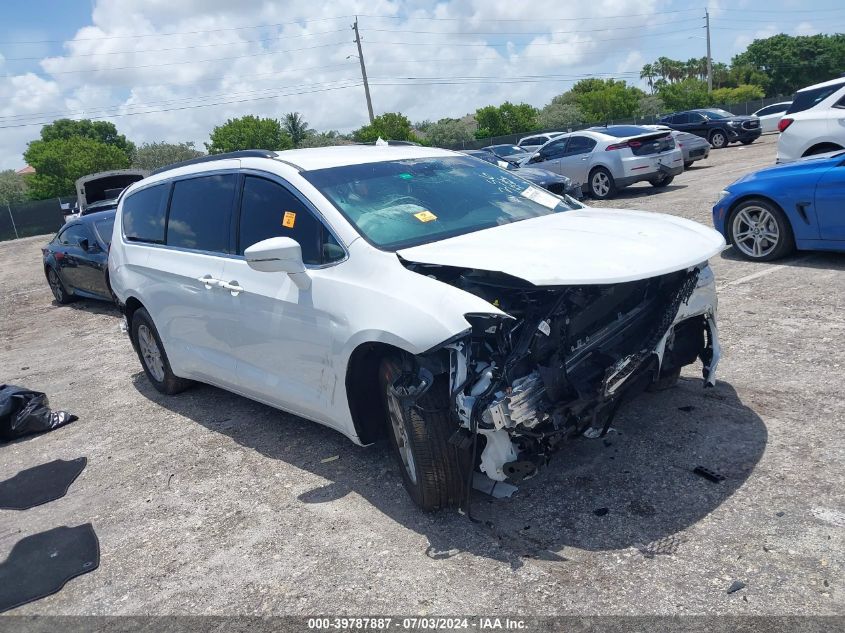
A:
(563, 358)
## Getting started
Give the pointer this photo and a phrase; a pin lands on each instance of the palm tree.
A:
(296, 127)
(648, 73)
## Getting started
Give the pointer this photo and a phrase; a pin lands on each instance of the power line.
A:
(543, 19)
(509, 33)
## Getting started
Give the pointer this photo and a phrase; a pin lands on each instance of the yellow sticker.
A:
(425, 216)
(289, 219)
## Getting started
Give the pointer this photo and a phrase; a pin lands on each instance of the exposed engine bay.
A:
(563, 358)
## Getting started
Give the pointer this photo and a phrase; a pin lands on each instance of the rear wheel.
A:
(760, 231)
(152, 355)
(433, 471)
(688, 164)
(718, 139)
(60, 293)
(662, 182)
(602, 185)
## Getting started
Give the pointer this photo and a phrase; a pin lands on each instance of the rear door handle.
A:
(232, 287)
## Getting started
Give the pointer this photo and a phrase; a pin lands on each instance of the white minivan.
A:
(418, 294)
(814, 123)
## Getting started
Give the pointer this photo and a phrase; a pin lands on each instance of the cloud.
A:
(171, 71)
(743, 40)
(806, 28)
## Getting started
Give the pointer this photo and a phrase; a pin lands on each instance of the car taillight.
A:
(629, 144)
(784, 123)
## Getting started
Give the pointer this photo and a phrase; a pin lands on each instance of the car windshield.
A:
(397, 204)
(716, 113)
(507, 150)
(104, 229)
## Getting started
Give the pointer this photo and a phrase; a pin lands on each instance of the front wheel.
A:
(434, 472)
(718, 139)
(748, 142)
(152, 355)
(760, 231)
(602, 185)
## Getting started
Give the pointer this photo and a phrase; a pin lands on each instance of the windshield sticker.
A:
(289, 219)
(541, 197)
(425, 216)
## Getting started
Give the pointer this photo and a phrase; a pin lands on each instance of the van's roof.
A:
(825, 84)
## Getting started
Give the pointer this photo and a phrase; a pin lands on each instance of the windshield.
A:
(716, 113)
(404, 203)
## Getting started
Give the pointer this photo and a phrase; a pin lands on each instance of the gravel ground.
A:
(208, 503)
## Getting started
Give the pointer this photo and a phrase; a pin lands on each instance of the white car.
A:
(771, 115)
(535, 141)
(814, 123)
(413, 293)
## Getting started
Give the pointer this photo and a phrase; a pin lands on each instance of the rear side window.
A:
(553, 150)
(104, 229)
(200, 214)
(579, 145)
(269, 210)
(143, 214)
(72, 234)
(806, 99)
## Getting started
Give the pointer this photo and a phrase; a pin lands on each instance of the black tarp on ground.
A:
(23, 411)
(34, 486)
(41, 564)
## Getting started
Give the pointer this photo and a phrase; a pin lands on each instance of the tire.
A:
(772, 240)
(718, 139)
(665, 381)
(749, 142)
(688, 164)
(601, 184)
(663, 182)
(60, 293)
(433, 471)
(153, 358)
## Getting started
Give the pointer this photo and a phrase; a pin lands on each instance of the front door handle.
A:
(232, 287)
(209, 282)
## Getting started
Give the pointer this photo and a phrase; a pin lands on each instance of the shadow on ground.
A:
(633, 488)
(641, 190)
(820, 260)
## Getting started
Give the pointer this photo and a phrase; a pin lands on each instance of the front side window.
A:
(200, 213)
(72, 234)
(402, 203)
(270, 210)
(143, 214)
(579, 145)
(556, 149)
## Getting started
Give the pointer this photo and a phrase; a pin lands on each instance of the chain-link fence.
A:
(747, 107)
(30, 218)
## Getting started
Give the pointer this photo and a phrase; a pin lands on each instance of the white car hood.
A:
(584, 246)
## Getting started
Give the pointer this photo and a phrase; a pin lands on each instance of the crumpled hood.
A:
(584, 246)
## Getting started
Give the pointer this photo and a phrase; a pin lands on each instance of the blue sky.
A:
(171, 70)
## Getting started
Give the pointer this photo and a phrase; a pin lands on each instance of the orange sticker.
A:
(425, 216)
(289, 219)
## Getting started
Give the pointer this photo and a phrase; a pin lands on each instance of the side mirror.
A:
(536, 158)
(279, 255)
(83, 243)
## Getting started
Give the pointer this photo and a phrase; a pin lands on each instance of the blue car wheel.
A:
(760, 231)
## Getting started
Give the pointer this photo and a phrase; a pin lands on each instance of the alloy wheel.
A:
(718, 140)
(755, 231)
(600, 184)
(150, 352)
(400, 433)
(55, 285)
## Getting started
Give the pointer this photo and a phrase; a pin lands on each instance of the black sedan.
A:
(719, 127)
(76, 260)
(544, 178)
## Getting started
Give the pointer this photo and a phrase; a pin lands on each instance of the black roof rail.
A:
(244, 153)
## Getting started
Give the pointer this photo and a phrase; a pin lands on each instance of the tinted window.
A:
(806, 99)
(104, 229)
(695, 117)
(553, 150)
(201, 213)
(772, 109)
(143, 214)
(623, 131)
(683, 117)
(533, 140)
(72, 234)
(579, 145)
(269, 210)
(668, 119)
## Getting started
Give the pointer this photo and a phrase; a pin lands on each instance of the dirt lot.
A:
(209, 503)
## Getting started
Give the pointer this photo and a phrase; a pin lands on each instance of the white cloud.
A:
(806, 28)
(121, 63)
(743, 40)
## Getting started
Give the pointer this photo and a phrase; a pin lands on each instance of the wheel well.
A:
(132, 304)
(733, 208)
(821, 148)
(362, 390)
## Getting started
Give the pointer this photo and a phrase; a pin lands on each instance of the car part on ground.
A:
(76, 259)
(40, 484)
(606, 159)
(413, 293)
(24, 412)
(771, 212)
(814, 123)
(719, 127)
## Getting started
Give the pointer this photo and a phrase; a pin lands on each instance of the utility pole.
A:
(709, 57)
(364, 69)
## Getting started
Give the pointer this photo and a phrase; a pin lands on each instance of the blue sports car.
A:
(801, 205)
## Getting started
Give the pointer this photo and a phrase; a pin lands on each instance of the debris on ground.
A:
(600, 512)
(329, 459)
(711, 475)
(736, 586)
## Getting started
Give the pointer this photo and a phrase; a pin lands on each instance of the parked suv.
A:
(814, 123)
(719, 127)
(417, 293)
(535, 141)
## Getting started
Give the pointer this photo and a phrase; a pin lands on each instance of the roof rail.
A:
(244, 153)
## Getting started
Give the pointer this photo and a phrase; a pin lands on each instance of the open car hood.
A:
(584, 246)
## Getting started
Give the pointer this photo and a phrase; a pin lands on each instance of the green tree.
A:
(649, 73)
(450, 133)
(561, 113)
(102, 131)
(296, 127)
(685, 95)
(325, 139)
(390, 126)
(508, 118)
(248, 132)
(154, 155)
(603, 100)
(740, 94)
(59, 162)
(792, 62)
(650, 105)
(12, 187)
